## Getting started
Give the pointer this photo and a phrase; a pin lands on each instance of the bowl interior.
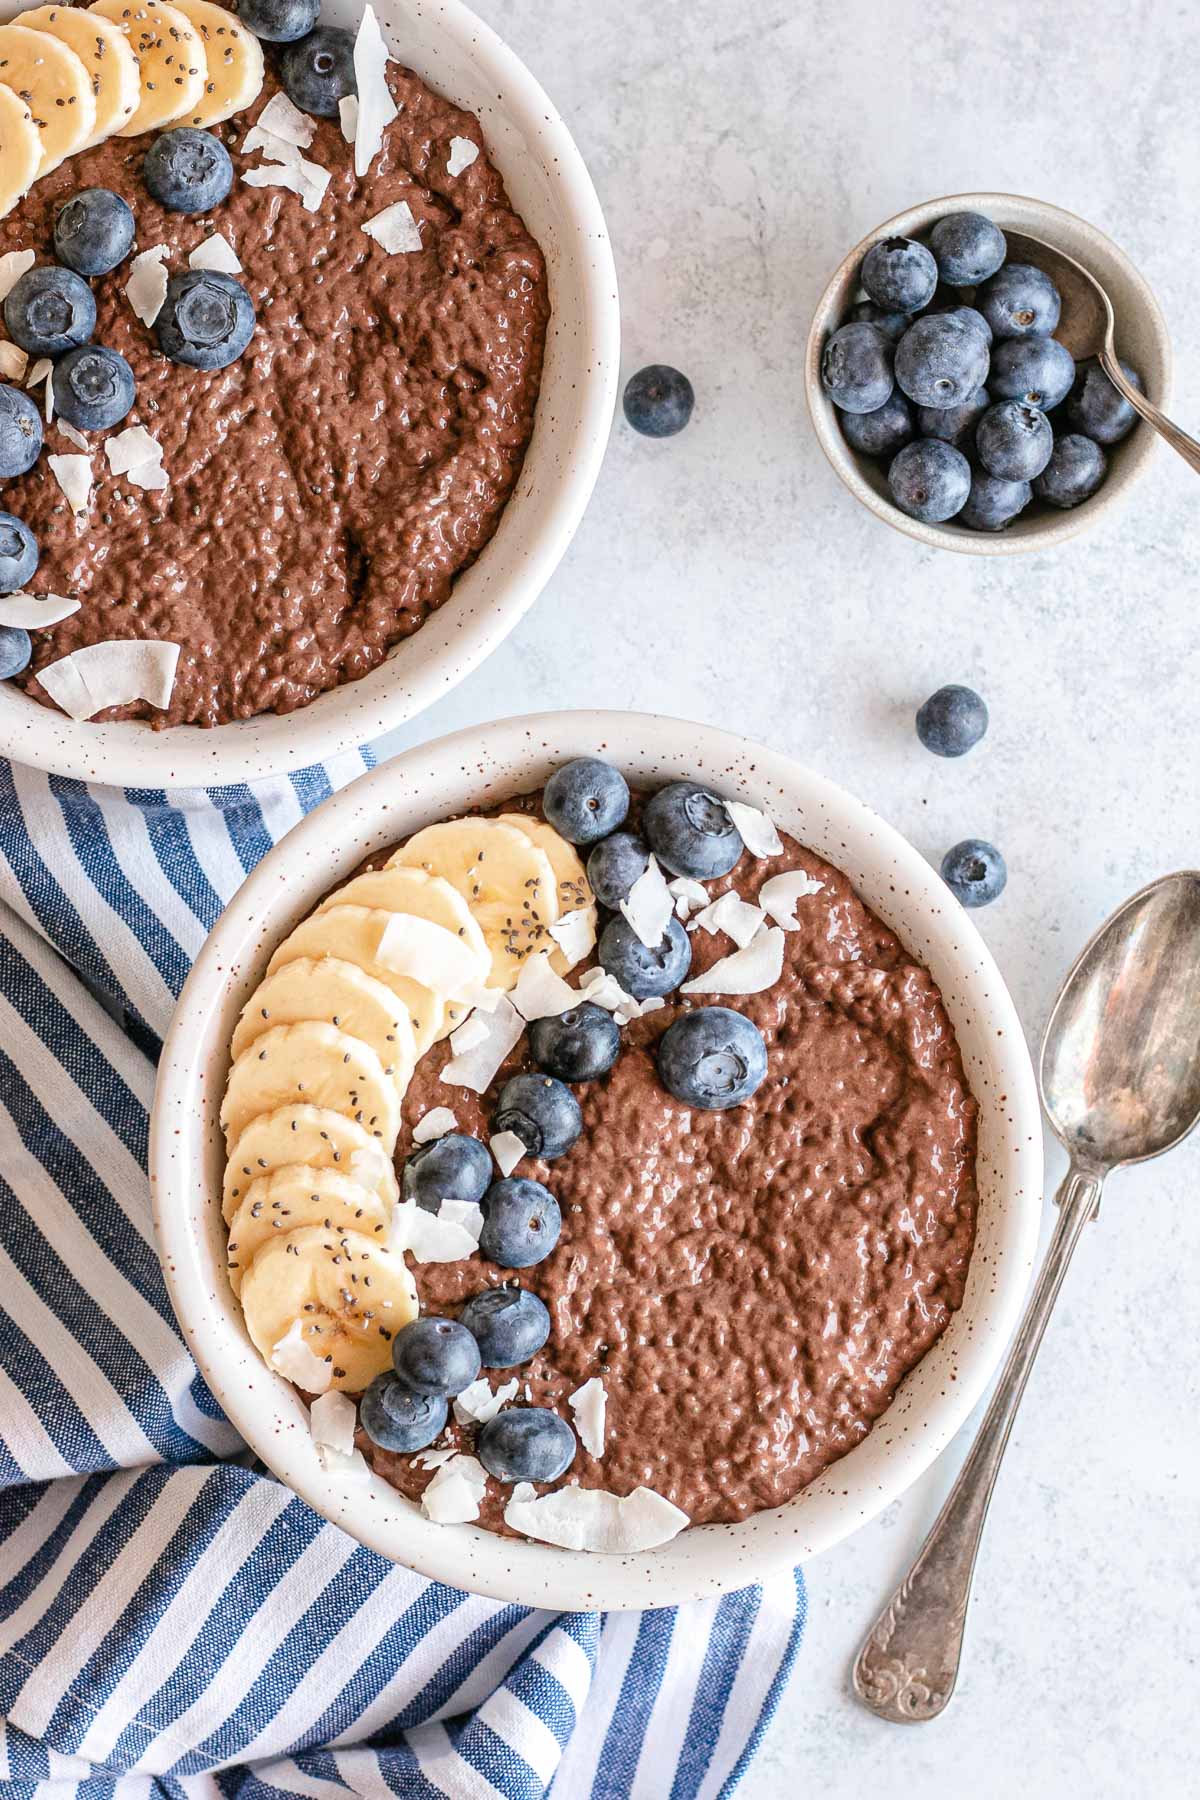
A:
(491, 763)
(1142, 340)
(462, 58)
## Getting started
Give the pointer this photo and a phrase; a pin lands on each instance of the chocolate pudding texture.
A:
(327, 487)
(750, 1285)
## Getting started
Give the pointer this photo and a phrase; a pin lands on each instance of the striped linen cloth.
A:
(172, 1620)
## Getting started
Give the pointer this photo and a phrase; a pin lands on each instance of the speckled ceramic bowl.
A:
(1142, 340)
(493, 762)
(461, 57)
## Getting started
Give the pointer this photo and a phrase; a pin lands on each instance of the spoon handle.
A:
(907, 1668)
(1179, 440)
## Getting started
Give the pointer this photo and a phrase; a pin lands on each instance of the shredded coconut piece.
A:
(649, 905)
(590, 1519)
(287, 121)
(779, 895)
(454, 1494)
(216, 252)
(588, 1403)
(331, 1419)
(448, 1235)
(436, 1123)
(748, 971)
(146, 288)
(292, 1358)
(112, 673)
(575, 934)
(376, 108)
(477, 1068)
(540, 993)
(732, 915)
(38, 373)
(13, 362)
(508, 1149)
(131, 448)
(688, 895)
(74, 476)
(307, 179)
(348, 116)
(757, 832)
(462, 154)
(395, 228)
(477, 1403)
(72, 436)
(13, 265)
(32, 612)
(350, 1465)
(470, 1034)
(606, 991)
(426, 952)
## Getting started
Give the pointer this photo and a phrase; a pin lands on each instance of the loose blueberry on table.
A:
(658, 401)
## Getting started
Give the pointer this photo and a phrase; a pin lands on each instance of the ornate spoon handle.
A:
(908, 1665)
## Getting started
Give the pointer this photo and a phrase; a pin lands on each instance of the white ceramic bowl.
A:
(1142, 339)
(493, 762)
(462, 58)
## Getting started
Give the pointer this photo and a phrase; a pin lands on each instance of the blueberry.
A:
(188, 171)
(585, 800)
(658, 400)
(318, 70)
(856, 367)
(712, 1058)
(16, 648)
(454, 1167)
(690, 832)
(993, 502)
(509, 1324)
(577, 1045)
(930, 480)
(614, 865)
(1095, 406)
(899, 274)
(93, 232)
(542, 1112)
(1014, 441)
(972, 317)
(892, 324)
(435, 1356)
(968, 248)
(521, 1222)
(93, 387)
(207, 319)
(954, 424)
(883, 432)
(1037, 370)
(1076, 469)
(640, 971)
(49, 310)
(526, 1443)
(20, 432)
(279, 21)
(396, 1418)
(18, 554)
(1019, 301)
(974, 872)
(952, 720)
(941, 360)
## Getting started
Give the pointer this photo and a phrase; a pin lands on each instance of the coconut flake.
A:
(49, 402)
(590, 1519)
(74, 437)
(395, 228)
(454, 1494)
(216, 252)
(74, 476)
(732, 915)
(470, 1034)
(462, 154)
(466, 1213)
(287, 121)
(376, 108)
(435, 1124)
(132, 448)
(649, 906)
(33, 612)
(434, 1459)
(575, 934)
(146, 288)
(351, 1466)
(508, 1149)
(113, 673)
(748, 971)
(688, 895)
(448, 1235)
(307, 179)
(588, 1403)
(13, 362)
(274, 148)
(477, 1069)
(151, 476)
(779, 895)
(292, 1358)
(605, 990)
(368, 1164)
(757, 832)
(13, 265)
(331, 1419)
(348, 116)
(539, 992)
(477, 1403)
(41, 369)
(425, 952)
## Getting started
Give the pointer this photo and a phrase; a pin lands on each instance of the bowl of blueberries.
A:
(949, 384)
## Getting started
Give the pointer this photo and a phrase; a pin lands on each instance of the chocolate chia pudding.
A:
(326, 488)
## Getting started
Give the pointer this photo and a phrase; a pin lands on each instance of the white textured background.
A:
(726, 575)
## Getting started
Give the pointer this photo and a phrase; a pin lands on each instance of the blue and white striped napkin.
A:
(172, 1620)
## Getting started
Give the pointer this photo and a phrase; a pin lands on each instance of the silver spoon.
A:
(1088, 328)
(1120, 1080)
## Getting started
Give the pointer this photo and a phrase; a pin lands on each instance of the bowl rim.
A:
(132, 753)
(704, 1560)
(1050, 531)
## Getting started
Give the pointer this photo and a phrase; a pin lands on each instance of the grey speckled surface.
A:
(727, 575)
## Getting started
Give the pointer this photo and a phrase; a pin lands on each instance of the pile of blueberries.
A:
(711, 1057)
(949, 369)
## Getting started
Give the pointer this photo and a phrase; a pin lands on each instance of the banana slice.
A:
(311, 1135)
(104, 51)
(235, 62)
(49, 77)
(342, 994)
(574, 893)
(293, 1197)
(171, 63)
(425, 896)
(319, 1065)
(350, 1294)
(20, 149)
(352, 934)
(504, 878)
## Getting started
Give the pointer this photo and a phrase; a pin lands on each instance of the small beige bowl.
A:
(1142, 340)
